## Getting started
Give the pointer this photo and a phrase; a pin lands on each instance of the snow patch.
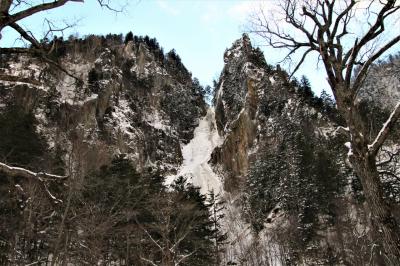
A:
(348, 146)
(272, 80)
(75, 102)
(220, 92)
(235, 51)
(156, 121)
(196, 155)
(252, 71)
(121, 116)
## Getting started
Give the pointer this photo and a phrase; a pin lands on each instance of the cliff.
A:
(267, 148)
(109, 99)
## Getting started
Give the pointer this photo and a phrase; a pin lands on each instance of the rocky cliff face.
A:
(291, 198)
(382, 85)
(236, 100)
(109, 99)
(254, 105)
(270, 149)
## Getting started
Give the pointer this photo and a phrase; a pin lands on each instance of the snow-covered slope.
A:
(265, 148)
(197, 153)
(129, 99)
(273, 160)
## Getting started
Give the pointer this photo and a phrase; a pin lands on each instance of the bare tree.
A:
(168, 221)
(12, 12)
(325, 27)
(24, 9)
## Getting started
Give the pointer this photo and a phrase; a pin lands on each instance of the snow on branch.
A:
(40, 177)
(19, 171)
(385, 130)
(183, 257)
(11, 78)
(342, 130)
(149, 261)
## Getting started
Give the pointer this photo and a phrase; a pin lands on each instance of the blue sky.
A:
(199, 30)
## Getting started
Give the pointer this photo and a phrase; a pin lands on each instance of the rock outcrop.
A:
(282, 165)
(268, 146)
(112, 98)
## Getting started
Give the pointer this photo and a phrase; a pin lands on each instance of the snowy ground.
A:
(197, 153)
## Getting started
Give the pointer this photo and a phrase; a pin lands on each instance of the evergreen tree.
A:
(20, 144)
(208, 93)
(328, 102)
(217, 207)
(93, 81)
(193, 211)
(133, 217)
(305, 87)
(257, 57)
(263, 186)
(295, 82)
(128, 37)
(197, 86)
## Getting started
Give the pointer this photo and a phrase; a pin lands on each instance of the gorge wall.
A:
(267, 146)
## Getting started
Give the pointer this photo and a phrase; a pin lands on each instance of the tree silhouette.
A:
(324, 28)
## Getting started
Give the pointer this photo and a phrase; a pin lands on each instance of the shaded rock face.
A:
(114, 99)
(382, 85)
(253, 107)
(236, 100)
(284, 165)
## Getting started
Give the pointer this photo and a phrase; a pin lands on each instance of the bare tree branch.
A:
(22, 172)
(384, 132)
(183, 257)
(389, 173)
(10, 78)
(303, 57)
(106, 4)
(374, 31)
(25, 35)
(325, 23)
(391, 156)
(148, 234)
(149, 261)
(35, 9)
(10, 20)
(53, 28)
(40, 177)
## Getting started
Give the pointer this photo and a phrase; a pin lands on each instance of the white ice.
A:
(197, 153)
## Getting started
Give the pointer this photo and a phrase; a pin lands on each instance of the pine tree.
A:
(193, 208)
(305, 87)
(328, 103)
(264, 184)
(257, 57)
(128, 37)
(20, 144)
(217, 207)
(93, 81)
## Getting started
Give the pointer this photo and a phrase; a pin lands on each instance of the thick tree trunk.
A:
(385, 230)
(384, 227)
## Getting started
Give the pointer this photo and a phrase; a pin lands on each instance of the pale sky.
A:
(199, 30)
